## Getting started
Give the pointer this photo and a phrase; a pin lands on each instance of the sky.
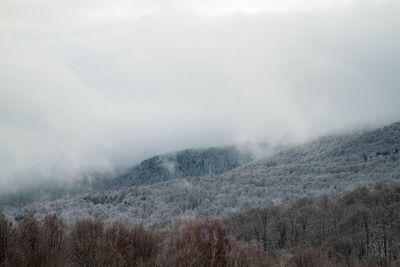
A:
(90, 85)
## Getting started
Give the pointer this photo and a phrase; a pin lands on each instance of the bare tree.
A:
(85, 241)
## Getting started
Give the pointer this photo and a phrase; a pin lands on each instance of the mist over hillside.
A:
(190, 162)
(329, 165)
(180, 164)
(252, 118)
(87, 86)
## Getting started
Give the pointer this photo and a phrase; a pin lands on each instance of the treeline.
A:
(189, 242)
(362, 228)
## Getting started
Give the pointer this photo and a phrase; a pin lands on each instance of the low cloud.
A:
(91, 85)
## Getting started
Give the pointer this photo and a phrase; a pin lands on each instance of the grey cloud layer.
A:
(88, 85)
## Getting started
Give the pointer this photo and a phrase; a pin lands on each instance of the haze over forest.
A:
(227, 133)
(98, 85)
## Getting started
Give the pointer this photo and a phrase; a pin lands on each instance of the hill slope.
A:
(330, 165)
(189, 162)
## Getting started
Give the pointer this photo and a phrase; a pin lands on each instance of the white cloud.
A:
(90, 84)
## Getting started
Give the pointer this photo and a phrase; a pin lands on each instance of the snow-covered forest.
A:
(330, 165)
(359, 229)
(200, 133)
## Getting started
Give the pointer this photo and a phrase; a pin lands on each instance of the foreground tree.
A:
(53, 239)
(30, 241)
(85, 240)
(5, 234)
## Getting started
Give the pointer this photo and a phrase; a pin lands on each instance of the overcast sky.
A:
(93, 84)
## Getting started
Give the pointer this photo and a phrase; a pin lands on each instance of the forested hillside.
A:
(186, 163)
(189, 162)
(362, 228)
(330, 165)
